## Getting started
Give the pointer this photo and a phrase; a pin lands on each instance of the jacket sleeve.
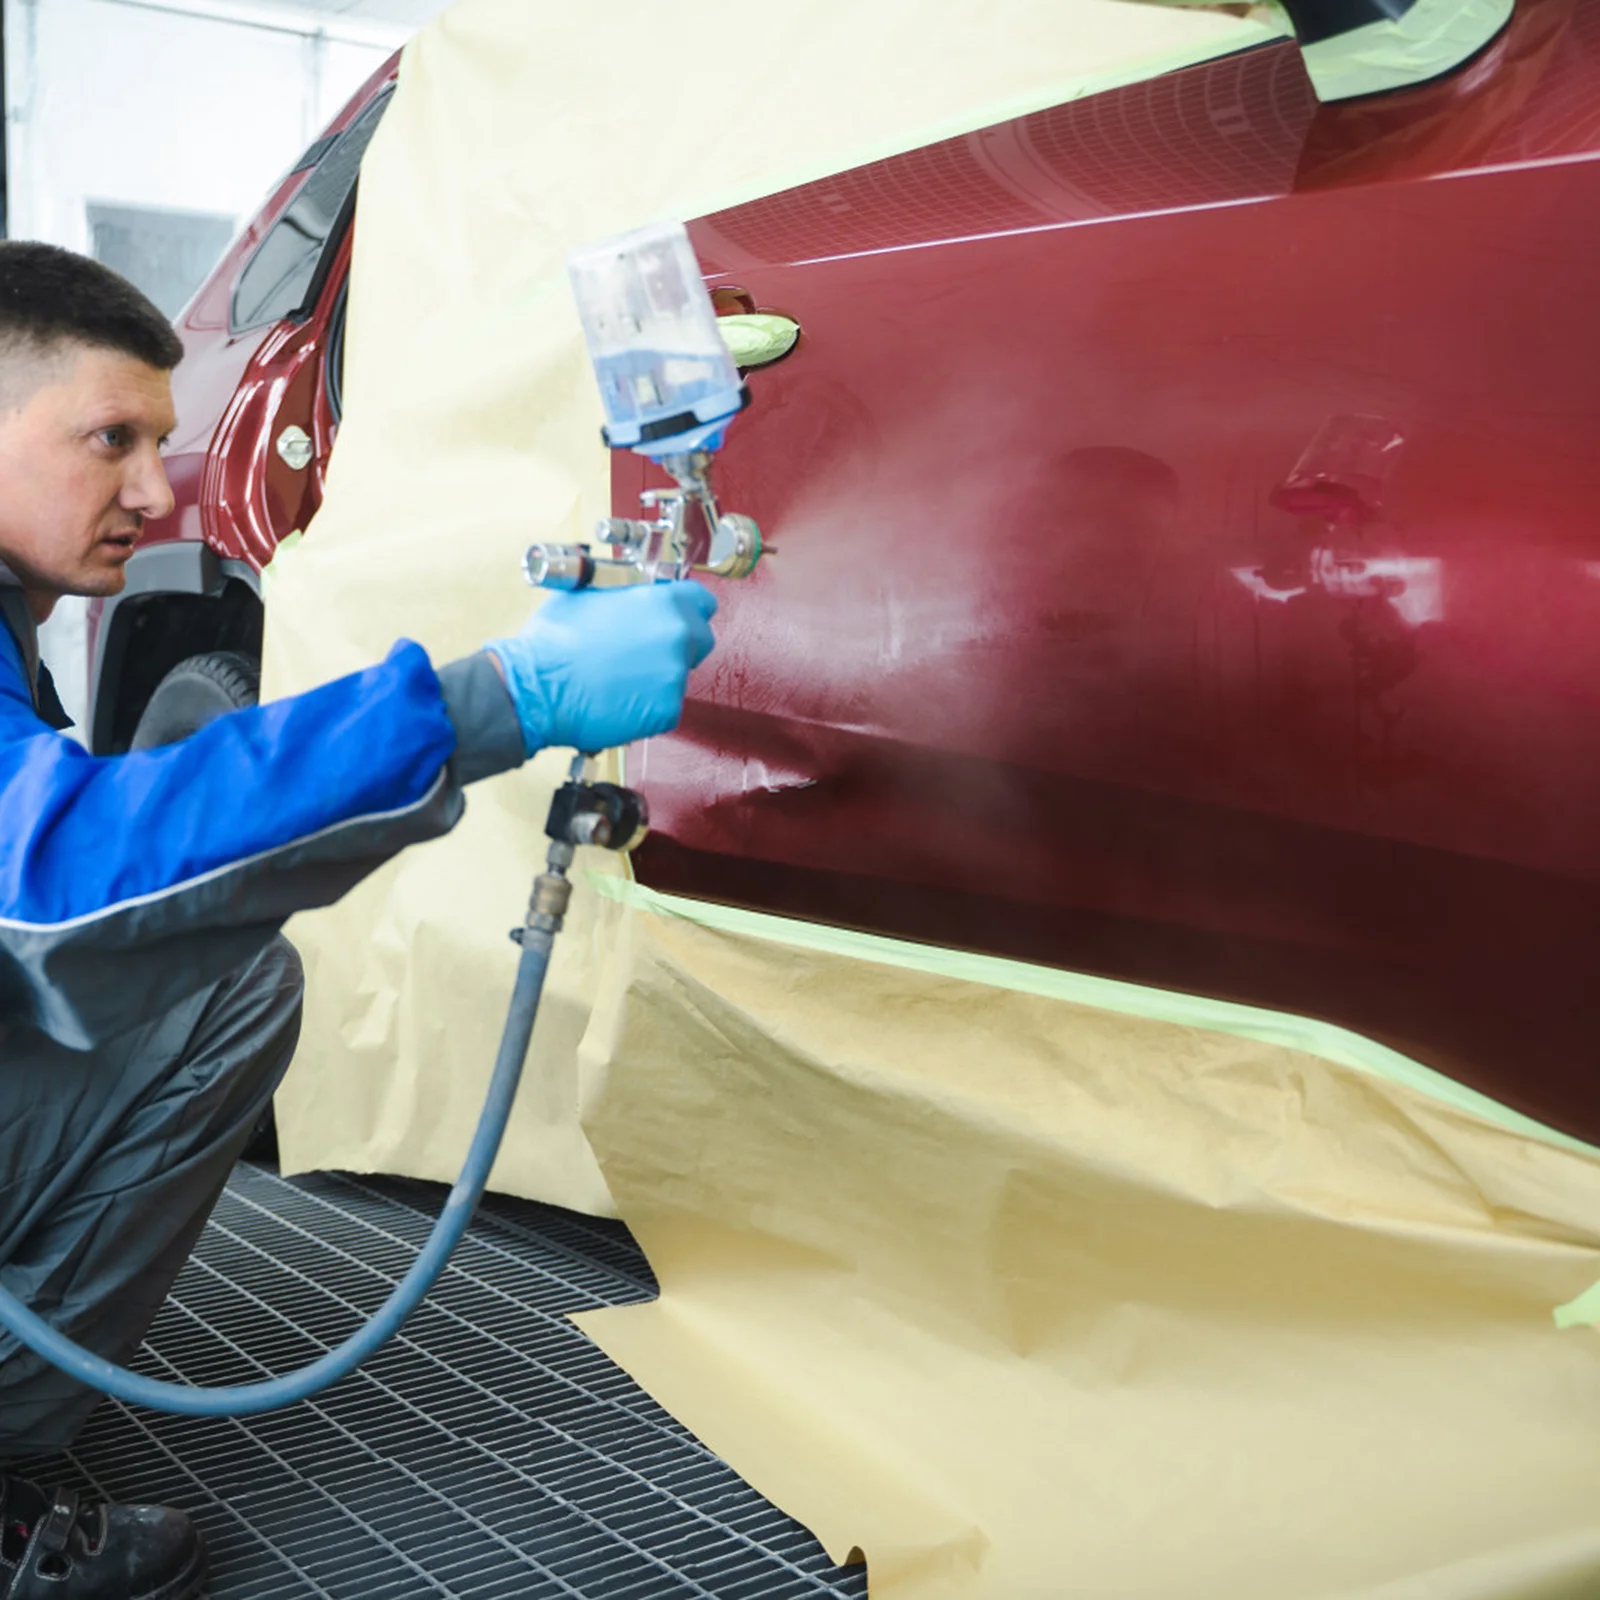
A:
(127, 882)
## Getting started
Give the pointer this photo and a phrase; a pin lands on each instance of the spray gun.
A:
(669, 388)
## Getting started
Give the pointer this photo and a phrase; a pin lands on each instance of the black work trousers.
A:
(110, 1162)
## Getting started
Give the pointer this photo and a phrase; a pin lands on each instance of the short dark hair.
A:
(50, 296)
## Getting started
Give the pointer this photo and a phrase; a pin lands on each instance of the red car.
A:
(1189, 564)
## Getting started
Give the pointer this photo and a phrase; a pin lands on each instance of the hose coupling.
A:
(551, 896)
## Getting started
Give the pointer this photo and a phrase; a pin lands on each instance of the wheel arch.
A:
(180, 599)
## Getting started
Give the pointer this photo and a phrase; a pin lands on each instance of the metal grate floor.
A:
(489, 1451)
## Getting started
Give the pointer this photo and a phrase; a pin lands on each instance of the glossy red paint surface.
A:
(1189, 557)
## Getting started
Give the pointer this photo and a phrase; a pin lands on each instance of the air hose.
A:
(582, 813)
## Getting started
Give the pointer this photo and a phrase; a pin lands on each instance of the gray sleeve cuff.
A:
(488, 734)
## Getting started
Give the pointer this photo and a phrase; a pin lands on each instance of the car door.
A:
(1186, 568)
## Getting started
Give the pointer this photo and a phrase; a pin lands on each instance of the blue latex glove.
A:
(603, 667)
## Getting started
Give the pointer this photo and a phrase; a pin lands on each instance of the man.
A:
(148, 1005)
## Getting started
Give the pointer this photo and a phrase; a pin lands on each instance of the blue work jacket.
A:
(130, 881)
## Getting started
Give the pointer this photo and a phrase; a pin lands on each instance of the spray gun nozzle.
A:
(736, 547)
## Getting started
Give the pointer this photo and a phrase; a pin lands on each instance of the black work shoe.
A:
(59, 1547)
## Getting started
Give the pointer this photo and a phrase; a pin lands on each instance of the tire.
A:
(194, 693)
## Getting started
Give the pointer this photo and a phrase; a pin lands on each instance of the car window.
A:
(278, 280)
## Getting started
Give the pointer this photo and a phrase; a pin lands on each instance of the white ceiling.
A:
(401, 13)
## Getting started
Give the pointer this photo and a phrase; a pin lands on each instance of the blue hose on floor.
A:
(245, 1399)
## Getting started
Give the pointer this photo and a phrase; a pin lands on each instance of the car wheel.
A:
(194, 693)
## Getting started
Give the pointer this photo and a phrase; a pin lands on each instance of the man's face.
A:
(80, 469)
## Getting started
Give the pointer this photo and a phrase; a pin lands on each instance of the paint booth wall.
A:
(145, 133)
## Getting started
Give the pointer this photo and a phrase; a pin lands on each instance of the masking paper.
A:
(1025, 1298)
(471, 429)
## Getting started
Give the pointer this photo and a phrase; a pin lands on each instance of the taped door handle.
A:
(758, 338)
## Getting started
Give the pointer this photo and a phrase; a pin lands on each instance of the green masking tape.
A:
(285, 545)
(1584, 1312)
